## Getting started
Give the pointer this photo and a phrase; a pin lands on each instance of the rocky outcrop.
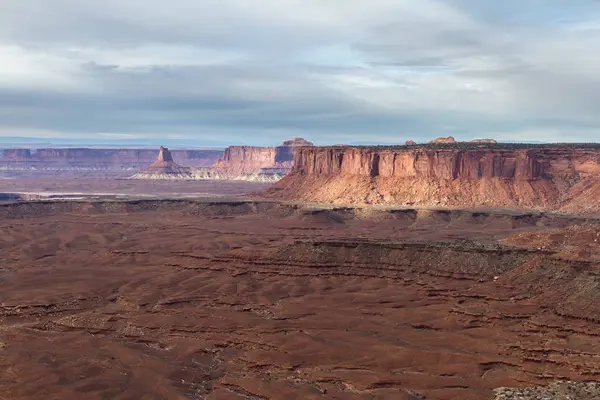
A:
(448, 139)
(555, 391)
(164, 168)
(297, 142)
(96, 159)
(410, 143)
(512, 177)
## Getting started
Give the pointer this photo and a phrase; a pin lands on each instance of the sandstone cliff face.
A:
(536, 177)
(254, 162)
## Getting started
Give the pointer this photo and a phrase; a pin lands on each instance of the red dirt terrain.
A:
(205, 299)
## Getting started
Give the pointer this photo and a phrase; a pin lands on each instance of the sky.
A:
(255, 72)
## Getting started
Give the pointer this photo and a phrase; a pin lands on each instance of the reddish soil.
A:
(580, 242)
(251, 300)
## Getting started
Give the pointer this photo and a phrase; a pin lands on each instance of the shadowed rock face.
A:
(555, 178)
(164, 155)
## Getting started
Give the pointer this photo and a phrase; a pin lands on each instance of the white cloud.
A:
(311, 67)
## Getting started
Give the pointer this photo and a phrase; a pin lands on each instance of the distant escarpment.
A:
(67, 159)
(473, 175)
(250, 163)
(266, 164)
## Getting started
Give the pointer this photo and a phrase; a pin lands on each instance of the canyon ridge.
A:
(555, 177)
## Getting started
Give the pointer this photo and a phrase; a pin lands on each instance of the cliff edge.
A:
(503, 176)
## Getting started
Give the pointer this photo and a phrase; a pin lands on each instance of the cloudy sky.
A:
(217, 72)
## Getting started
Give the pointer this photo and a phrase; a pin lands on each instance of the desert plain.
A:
(213, 298)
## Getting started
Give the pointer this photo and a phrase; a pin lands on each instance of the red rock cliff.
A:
(247, 160)
(544, 177)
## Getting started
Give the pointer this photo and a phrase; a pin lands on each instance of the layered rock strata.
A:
(262, 164)
(566, 178)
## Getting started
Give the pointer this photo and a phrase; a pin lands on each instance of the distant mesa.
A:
(97, 159)
(484, 141)
(297, 142)
(410, 143)
(252, 163)
(164, 168)
(248, 163)
(449, 139)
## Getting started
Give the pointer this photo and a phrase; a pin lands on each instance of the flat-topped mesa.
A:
(258, 163)
(529, 177)
(297, 142)
(443, 164)
(449, 139)
(164, 168)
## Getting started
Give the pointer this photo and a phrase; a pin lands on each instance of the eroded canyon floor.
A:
(203, 299)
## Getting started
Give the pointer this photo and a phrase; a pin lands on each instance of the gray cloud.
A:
(338, 71)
